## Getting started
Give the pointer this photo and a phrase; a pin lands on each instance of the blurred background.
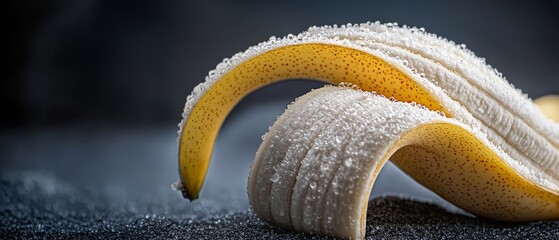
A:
(92, 90)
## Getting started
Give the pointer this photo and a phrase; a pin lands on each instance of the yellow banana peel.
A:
(549, 105)
(440, 113)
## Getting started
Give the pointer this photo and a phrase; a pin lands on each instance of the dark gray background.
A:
(115, 61)
(92, 92)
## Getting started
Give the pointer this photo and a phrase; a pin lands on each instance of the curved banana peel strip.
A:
(487, 123)
(318, 162)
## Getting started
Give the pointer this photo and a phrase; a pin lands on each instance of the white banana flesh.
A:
(314, 170)
(318, 162)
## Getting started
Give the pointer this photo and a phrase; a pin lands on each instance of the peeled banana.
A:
(440, 113)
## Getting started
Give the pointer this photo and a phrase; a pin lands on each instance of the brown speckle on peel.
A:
(484, 185)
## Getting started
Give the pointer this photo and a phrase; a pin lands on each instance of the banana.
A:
(549, 105)
(454, 124)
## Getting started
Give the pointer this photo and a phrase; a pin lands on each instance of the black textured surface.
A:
(35, 205)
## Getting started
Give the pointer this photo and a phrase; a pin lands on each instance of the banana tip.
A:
(186, 194)
(178, 186)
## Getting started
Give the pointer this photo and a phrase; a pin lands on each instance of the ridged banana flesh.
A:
(318, 162)
(499, 151)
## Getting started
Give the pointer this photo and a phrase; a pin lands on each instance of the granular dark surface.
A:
(35, 205)
(110, 182)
